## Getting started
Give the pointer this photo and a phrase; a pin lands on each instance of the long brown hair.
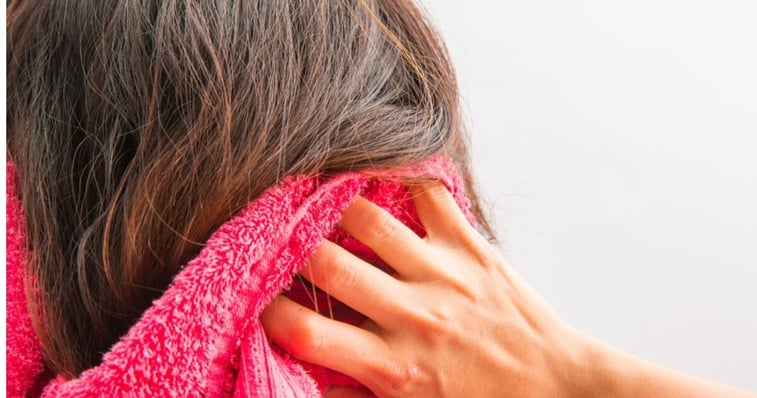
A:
(139, 126)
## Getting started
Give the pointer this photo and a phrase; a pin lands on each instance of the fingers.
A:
(394, 242)
(440, 214)
(354, 282)
(314, 338)
(447, 227)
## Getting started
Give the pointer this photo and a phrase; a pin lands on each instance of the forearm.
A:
(622, 375)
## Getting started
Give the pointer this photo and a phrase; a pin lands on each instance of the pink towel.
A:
(203, 336)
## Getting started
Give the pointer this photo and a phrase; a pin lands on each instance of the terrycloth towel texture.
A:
(203, 336)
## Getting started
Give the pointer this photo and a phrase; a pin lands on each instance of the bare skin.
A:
(458, 322)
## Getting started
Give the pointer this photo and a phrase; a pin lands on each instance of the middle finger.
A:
(360, 285)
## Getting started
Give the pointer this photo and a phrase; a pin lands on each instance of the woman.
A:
(137, 128)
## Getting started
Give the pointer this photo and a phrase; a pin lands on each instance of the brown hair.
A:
(138, 127)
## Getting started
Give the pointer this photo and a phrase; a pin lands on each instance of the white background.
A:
(616, 143)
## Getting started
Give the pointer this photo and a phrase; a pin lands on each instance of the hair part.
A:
(138, 127)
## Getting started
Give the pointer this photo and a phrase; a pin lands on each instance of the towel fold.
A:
(202, 337)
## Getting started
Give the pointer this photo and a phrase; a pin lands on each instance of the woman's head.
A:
(138, 127)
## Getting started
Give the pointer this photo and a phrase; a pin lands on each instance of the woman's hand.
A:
(454, 320)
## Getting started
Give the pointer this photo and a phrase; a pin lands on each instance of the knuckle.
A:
(401, 379)
(344, 277)
(487, 256)
(386, 228)
(328, 257)
(468, 237)
(436, 324)
(437, 190)
(481, 251)
(307, 339)
(442, 322)
(460, 236)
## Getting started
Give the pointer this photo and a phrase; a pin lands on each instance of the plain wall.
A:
(616, 143)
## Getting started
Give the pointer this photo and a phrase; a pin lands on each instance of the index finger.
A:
(441, 216)
(388, 237)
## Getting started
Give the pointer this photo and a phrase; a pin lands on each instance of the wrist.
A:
(603, 371)
(617, 374)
